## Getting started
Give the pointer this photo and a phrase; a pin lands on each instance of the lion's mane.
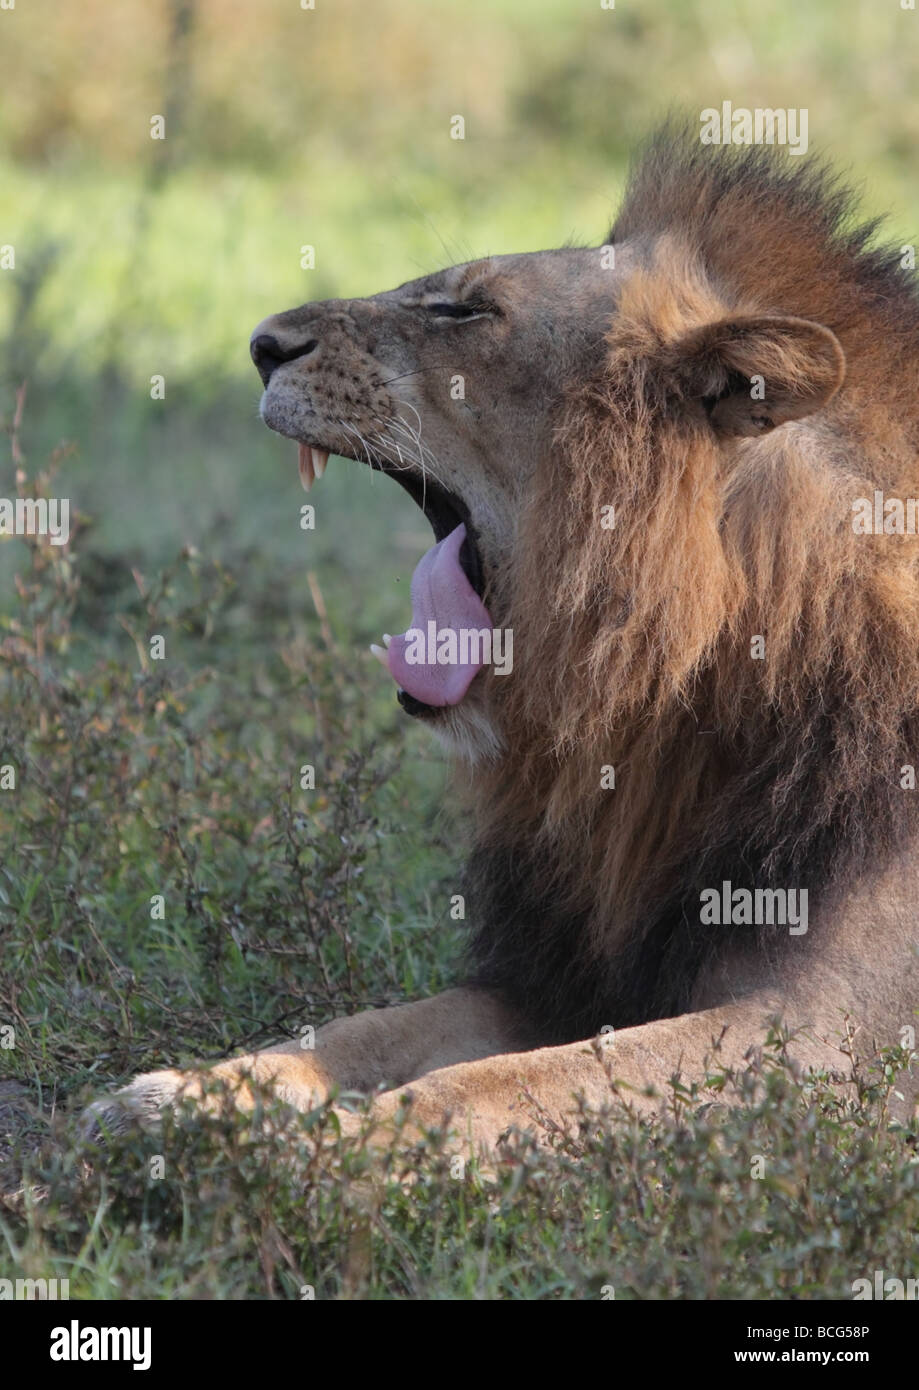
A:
(632, 644)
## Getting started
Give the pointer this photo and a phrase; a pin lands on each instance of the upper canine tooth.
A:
(387, 638)
(320, 459)
(305, 465)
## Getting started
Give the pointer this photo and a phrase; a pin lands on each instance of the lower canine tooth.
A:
(379, 654)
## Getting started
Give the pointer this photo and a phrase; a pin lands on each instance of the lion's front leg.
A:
(380, 1047)
(483, 1099)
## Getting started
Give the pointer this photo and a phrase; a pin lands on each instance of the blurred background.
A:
(330, 127)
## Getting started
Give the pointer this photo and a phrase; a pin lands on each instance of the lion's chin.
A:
(467, 731)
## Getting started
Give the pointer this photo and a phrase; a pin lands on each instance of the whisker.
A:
(352, 429)
(422, 448)
(419, 371)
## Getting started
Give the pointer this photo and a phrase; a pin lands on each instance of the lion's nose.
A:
(268, 354)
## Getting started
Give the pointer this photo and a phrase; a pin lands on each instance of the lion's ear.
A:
(752, 374)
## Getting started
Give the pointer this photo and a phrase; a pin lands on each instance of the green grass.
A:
(181, 777)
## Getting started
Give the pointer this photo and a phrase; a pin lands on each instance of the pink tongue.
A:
(443, 601)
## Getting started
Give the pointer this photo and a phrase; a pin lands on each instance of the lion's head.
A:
(451, 385)
(642, 460)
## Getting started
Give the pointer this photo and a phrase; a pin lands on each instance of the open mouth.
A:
(434, 661)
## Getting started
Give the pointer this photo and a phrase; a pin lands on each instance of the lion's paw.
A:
(139, 1105)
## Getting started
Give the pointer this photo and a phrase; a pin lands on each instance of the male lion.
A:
(690, 805)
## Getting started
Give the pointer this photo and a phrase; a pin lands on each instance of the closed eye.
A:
(472, 309)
